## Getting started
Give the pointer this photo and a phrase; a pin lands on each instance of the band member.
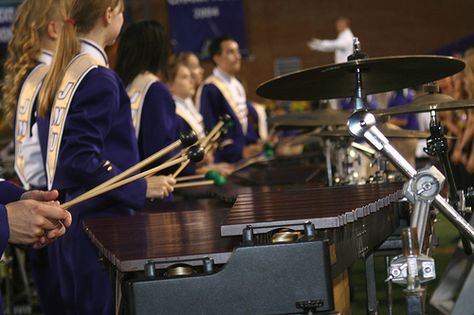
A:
(35, 30)
(220, 94)
(197, 71)
(141, 56)
(87, 137)
(33, 220)
(181, 83)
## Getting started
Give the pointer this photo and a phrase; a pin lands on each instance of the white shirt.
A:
(31, 150)
(34, 166)
(342, 45)
(238, 94)
(424, 120)
(187, 106)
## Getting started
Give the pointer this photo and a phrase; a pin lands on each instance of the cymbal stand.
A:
(437, 145)
(328, 149)
(362, 124)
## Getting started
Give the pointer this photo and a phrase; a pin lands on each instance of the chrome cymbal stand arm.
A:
(362, 124)
(421, 191)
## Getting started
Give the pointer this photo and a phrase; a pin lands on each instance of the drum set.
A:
(357, 78)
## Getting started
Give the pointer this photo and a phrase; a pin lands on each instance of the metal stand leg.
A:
(415, 305)
(372, 307)
(328, 162)
(389, 287)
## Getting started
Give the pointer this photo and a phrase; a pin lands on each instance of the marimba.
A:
(274, 174)
(236, 275)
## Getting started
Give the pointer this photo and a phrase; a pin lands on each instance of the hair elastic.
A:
(70, 20)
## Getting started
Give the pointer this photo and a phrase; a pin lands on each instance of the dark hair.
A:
(143, 46)
(215, 46)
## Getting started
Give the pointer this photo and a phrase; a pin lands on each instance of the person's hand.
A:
(225, 169)
(36, 223)
(252, 150)
(39, 195)
(314, 43)
(50, 235)
(159, 186)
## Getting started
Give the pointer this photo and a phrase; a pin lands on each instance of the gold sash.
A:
(191, 122)
(225, 92)
(26, 99)
(76, 71)
(137, 91)
(262, 121)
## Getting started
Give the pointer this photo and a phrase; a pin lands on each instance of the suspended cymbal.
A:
(389, 133)
(316, 118)
(378, 75)
(426, 103)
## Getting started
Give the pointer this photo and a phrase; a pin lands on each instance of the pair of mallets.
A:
(193, 151)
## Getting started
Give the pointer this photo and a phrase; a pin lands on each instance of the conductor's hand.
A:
(314, 44)
(159, 186)
(34, 222)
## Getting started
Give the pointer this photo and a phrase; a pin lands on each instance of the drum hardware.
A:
(421, 191)
(411, 269)
(362, 124)
(308, 84)
(437, 145)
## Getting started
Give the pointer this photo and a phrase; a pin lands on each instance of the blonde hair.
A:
(24, 48)
(174, 62)
(82, 15)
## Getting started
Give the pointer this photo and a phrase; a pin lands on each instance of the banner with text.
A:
(195, 23)
(7, 16)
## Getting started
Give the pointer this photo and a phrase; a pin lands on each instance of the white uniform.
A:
(187, 108)
(238, 94)
(342, 45)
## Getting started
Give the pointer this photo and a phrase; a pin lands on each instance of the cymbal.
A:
(378, 75)
(426, 103)
(388, 132)
(315, 118)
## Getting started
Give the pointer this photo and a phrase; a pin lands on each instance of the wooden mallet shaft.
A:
(96, 192)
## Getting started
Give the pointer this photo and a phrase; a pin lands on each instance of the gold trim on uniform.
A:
(28, 94)
(137, 91)
(212, 79)
(75, 72)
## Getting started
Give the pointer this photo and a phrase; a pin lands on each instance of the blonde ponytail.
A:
(81, 16)
(67, 47)
(24, 48)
